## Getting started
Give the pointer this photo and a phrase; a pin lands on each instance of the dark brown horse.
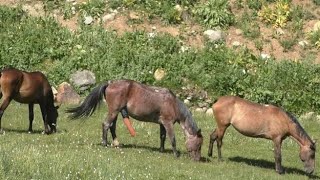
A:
(144, 103)
(263, 121)
(28, 88)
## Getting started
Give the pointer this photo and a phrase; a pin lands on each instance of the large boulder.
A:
(83, 79)
(67, 95)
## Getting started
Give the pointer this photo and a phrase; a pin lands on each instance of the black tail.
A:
(90, 104)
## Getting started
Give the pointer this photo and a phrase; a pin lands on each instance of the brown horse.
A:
(144, 103)
(28, 88)
(263, 121)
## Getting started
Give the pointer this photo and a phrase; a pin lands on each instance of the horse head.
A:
(52, 118)
(307, 155)
(193, 143)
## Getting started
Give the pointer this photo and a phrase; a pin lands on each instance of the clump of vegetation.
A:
(214, 13)
(314, 37)
(277, 15)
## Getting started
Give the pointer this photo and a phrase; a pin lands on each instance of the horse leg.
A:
(115, 141)
(112, 116)
(44, 117)
(220, 133)
(213, 137)
(277, 155)
(31, 116)
(163, 134)
(169, 128)
(3, 107)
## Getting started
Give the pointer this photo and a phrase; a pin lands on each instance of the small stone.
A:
(108, 17)
(303, 43)
(186, 101)
(159, 74)
(88, 20)
(316, 26)
(265, 56)
(236, 44)
(238, 32)
(209, 112)
(279, 31)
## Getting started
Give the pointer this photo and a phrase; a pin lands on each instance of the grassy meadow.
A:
(75, 151)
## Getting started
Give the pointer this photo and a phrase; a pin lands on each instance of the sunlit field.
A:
(75, 152)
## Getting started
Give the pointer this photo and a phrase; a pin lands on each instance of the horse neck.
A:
(186, 120)
(298, 133)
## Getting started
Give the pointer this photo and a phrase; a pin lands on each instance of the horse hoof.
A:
(177, 154)
(220, 160)
(280, 171)
(115, 143)
(104, 143)
(2, 132)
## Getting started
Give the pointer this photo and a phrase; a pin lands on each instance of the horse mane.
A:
(187, 115)
(299, 128)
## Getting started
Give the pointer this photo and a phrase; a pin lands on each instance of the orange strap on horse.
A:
(127, 122)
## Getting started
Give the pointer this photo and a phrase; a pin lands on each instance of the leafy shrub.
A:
(249, 25)
(316, 2)
(277, 15)
(214, 13)
(165, 9)
(254, 4)
(288, 42)
(94, 8)
(314, 37)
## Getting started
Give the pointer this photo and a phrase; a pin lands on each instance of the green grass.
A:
(75, 152)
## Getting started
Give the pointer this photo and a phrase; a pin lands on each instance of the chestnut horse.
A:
(143, 103)
(263, 121)
(29, 88)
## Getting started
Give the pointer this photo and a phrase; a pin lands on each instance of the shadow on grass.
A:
(269, 165)
(23, 131)
(155, 149)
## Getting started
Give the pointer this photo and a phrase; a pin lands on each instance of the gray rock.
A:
(265, 56)
(209, 112)
(303, 43)
(83, 79)
(236, 44)
(108, 17)
(67, 95)
(214, 35)
(316, 26)
(88, 20)
(239, 32)
(186, 101)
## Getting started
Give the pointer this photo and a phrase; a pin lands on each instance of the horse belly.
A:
(254, 129)
(143, 113)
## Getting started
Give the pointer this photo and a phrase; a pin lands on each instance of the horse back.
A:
(24, 87)
(143, 102)
(251, 119)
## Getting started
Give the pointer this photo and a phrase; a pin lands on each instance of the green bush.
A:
(214, 13)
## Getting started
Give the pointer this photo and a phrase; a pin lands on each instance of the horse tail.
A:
(90, 103)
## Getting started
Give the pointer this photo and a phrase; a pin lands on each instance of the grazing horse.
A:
(263, 121)
(144, 103)
(29, 88)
